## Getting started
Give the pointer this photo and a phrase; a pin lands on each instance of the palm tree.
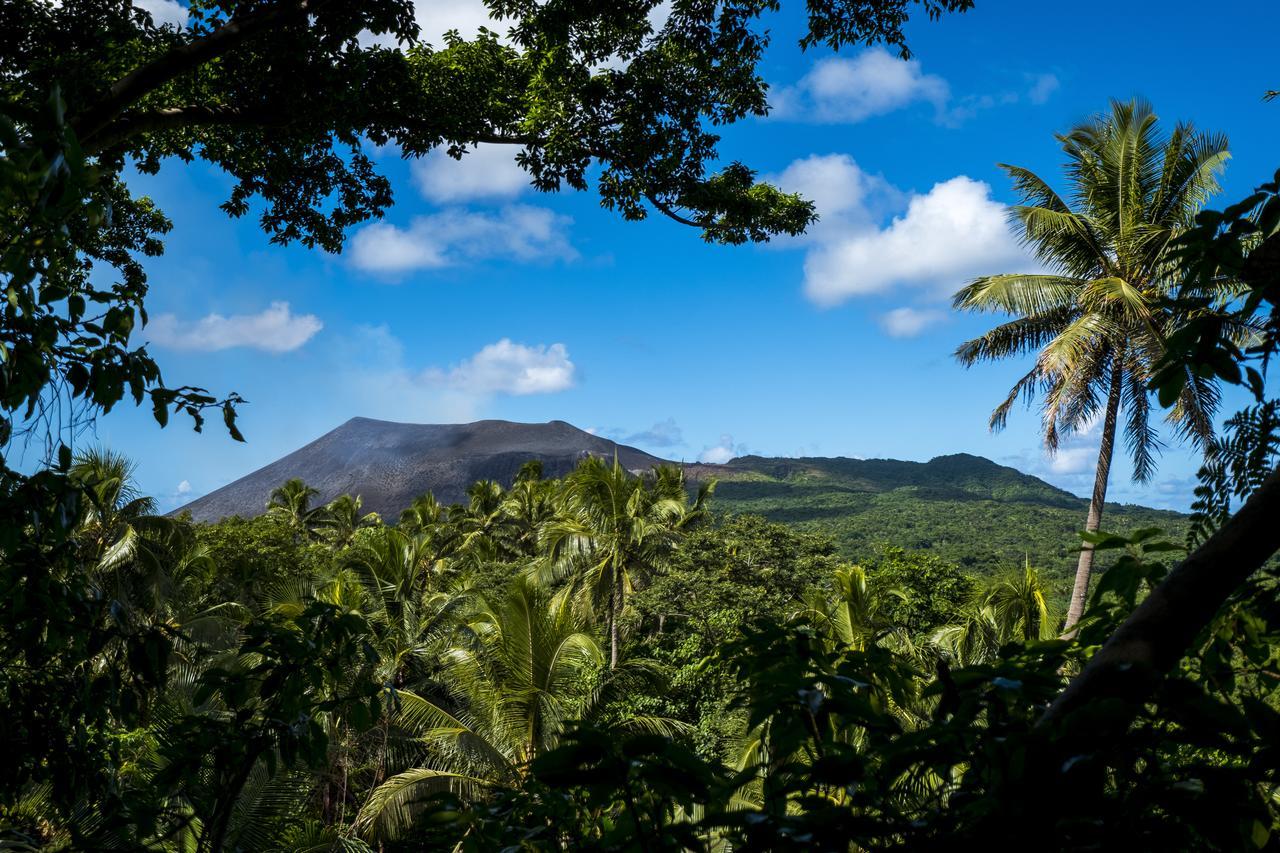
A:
(340, 519)
(1010, 608)
(481, 523)
(532, 665)
(615, 530)
(124, 540)
(423, 513)
(852, 615)
(292, 502)
(528, 507)
(1097, 320)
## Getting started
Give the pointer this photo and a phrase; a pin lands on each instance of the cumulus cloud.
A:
(164, 11)
(375, 376)
(662, 434)
(847, 90)
(844, 195)
(952, 233)
(184, 488)
(486, 172)
(873, 239)
(506, 367)
(909, 322)
(1073, 460)
(1042, 87)
(455, 236)
(724, 451)
(275, 329)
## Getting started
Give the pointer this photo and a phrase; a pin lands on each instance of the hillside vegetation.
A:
(965, 509)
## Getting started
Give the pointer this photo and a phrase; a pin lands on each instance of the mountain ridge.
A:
(389, 463)
(964, 508)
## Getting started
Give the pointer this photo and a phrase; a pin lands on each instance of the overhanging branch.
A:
(173, 118)
(1160, 631)
(135, 85)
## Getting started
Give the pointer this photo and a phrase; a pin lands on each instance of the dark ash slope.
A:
(389, 464)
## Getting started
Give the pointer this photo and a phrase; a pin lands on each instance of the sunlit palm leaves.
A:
(1096, 321)
(614, 530)
(1009, 608)
(530, 666)
(342, 518)
(292, 501)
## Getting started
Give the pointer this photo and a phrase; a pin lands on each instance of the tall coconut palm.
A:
(1096, 321)
(533, 664)
(422, 514)
(615, 530)
(528, 507)
(292, 502)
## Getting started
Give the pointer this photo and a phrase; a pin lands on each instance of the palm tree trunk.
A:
(615, 611)
(1084, 568)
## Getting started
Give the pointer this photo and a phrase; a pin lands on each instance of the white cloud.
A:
(486, 172)
(1074, 460)
(948, 235)
(722, 452)
(840, 90)
(184, 488)
(909, 322)
(1042, 88)
(436, 17)
(509, 368)
(374, 377)
(275, 329)
(843, 194)
(164, 11)
(872, 238)
(518, 232)
(662, 434)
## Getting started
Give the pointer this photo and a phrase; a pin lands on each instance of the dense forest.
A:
(963, 509)
(604, 661)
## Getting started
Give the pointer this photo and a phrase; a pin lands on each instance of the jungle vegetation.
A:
(599, 662)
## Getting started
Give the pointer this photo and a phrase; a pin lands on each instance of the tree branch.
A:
(173, 118)
(135, 85)
(670, 212)
(1160, 631)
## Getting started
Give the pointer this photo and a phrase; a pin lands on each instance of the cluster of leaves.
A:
(64, 336)
(120, 727)
(839, 766)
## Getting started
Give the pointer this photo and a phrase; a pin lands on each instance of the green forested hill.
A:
(965, 508)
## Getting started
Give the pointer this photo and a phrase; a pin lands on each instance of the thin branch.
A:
(667, 210)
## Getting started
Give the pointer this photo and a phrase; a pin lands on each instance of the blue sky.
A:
(478, 297)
